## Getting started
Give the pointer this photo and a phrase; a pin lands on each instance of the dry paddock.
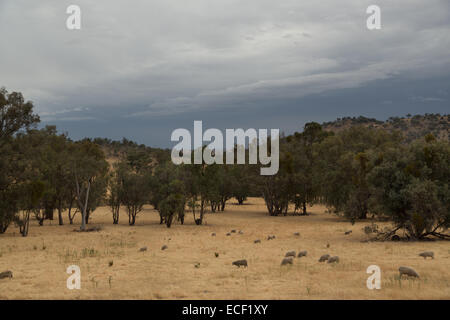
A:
(113, 268)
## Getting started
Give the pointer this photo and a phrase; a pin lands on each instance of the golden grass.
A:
(39, 261)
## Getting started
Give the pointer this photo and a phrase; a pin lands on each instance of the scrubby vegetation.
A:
(365, 168)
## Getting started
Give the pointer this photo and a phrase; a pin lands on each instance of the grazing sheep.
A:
(302, 254)
(213, 234)
(348, 232)
(241, 232)
(228, 234)
(233, 231)
(197, 265)
(333, 259)
(240, 263)
(143, 249)
(270, 237)
(286, 261)
(297, 234)
(325, 257)
(290, 254)
(427, 254)
(257, 241)
(164, 247)
(408, 271)
(6, 274)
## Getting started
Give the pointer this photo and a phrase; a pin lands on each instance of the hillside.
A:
(137, 154)
(412, 127)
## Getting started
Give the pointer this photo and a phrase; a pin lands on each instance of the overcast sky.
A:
(142, 68)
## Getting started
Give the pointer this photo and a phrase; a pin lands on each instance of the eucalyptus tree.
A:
(89, 176)
(16, 116)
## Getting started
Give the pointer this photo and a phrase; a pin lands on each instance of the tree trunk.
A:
(60, 218)
(3, 226)
(88, 214)
(305, 213)
(131, 217)
(116, 211)
(25, 224)
(83, 218)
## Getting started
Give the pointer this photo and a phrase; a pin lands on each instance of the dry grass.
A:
(113, 268)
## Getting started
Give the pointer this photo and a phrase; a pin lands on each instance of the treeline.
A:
(358, 172)
(411, 127)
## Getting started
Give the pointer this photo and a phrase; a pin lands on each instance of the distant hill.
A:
(412, 127)
(137, 154)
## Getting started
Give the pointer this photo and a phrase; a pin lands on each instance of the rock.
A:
(325, 257)
(302, 254)
(333, 259)
(216, 254)
(143, 249)
(240, 263)
(395, 238)
(164, 247)
(6, 274)
(328, 245)
(257, 241)
(427, 254)
(290, 254)
(286, 261)
(408, 271)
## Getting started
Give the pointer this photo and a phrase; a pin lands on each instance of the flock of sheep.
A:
(291, 255)
(287, 260)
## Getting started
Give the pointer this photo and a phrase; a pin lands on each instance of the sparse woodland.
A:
(359, 172)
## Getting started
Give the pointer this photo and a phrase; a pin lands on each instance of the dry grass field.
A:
(39, 261)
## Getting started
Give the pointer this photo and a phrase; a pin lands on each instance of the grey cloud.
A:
(171, 57)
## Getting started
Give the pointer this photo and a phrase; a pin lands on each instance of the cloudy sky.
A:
(143, 68)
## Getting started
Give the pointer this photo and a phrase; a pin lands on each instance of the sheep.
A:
(408, 271)
(290, 254)
(348, 232)
(325, 257)
(297, 234)
(257, 241)
(271, 237)
(213, 234)
(240, 263)
(302, 254)
(228, 234)
(286, 261)
(333, 259)
(164, 247)
(241, 232)
(233, 231)
(427, 254)
(216, 254)
(143, 249)
(6, 274)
